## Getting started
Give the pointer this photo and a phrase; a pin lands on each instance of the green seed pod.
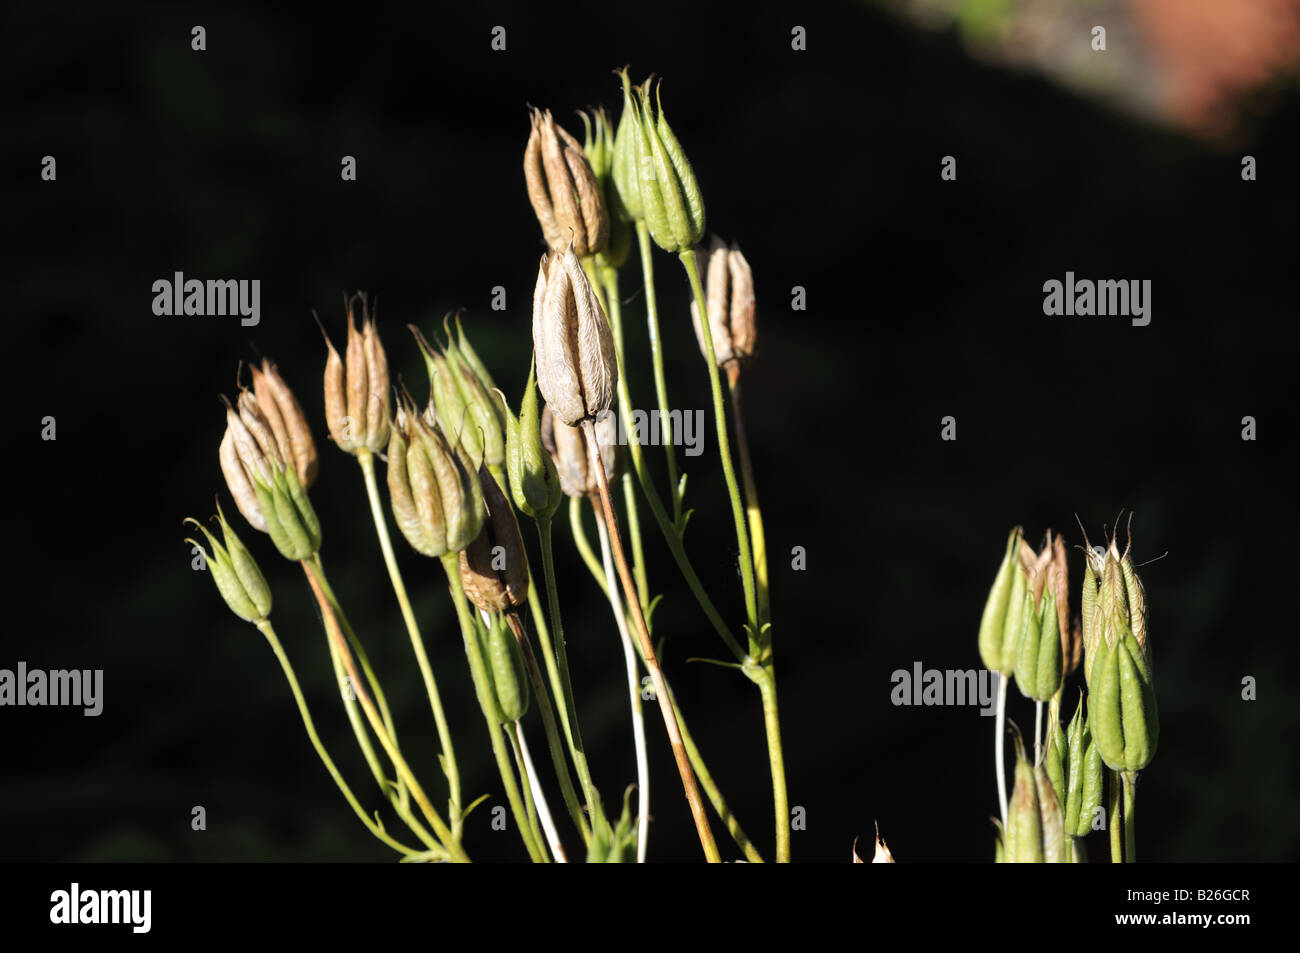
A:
(233, 569)
(1035, 833)
(999, 616)
(1056, 755)
(434, 489)
(534, 481)
(670, 196)
(505, 666)
(626, 164)
(1088, 611)
(599, 148)
(1122, 707)
(999, 842)
(1038, 662)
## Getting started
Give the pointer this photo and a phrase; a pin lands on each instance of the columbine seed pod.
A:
(507, 690)
(1035, 833)
(577, 372)
(1002, 620)
(599, 148)
(463, 405)
(433, 488)
(494, 567)
(670, 196)
(1039, 669)
(1083, 777)
(233, 569)
(626, 164)
(563, 189)
(534, 480)
(729, 295)
(568, 450)
(1122, 702)
(287, 421)
(266, 488)
(357, 403)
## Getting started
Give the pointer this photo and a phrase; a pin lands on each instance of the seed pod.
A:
(494, 567)
(1059, 583)
(1035, 834)
(509, 679)
(358, 408)
(1083, 777)
(1000, 626)
(599, 148)
(882, 853)
(434, 490)
(288, 423)
(463, 405)
(999, 842)
(1056, 754)
(266, 488)
(729, 292)
(626, 166)
(576, 369)
(563, 189)
(233, 569)
(670, 196)
(1087, 614)
(1038, 661)
(568, 450)
(534, 481)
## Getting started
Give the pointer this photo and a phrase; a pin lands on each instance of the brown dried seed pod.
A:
(241, 488)
(494, 567)
(287, 421)
(577, 372)
(729, 296)
(563, 189)
(568, 449)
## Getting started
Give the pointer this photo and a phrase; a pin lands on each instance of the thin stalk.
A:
(548, 723)
(999, 747)
(478, 672)
(448, 760)
(530, 802)
(710, 787)
(1038, 732)
(548, 652)
(634, 698)
(562, 659)
(318, 568)
(776, 760)
(386, 740)
(539, 796)
(372, 825)
(753, 513)
(689, 786)
(1130, 817)
(1115, 821)
(724, 446)
(657, 357)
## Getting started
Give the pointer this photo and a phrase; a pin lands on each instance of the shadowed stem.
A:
(1115, 821)
(479, 674)
(548, 723)
(766, 679)
(724, 450)
(1130, 817)
(367, 461)
(562, 660)
(753, 513)
(999, 747)
(372, 825)
(539, 796)
(657, 357)
(689, 786)
(514, 735)
(697, 760)
(634, 698)
(454, 850)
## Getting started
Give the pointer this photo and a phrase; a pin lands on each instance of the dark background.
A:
(924, 300)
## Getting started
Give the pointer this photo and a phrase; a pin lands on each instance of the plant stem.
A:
(1130, 815)
(386, 740)
(478, 672)
(647, 650)
(693, 752)
(999, 747)
(657, 357)
(448, 760)
(1038, 732)
(634, 698)
(776, 759)
(753, 512)
(372, 825)
(562, 660)
(538, 795)
(724, 448)
(1115, 821)
(553, 741)
(530, 801)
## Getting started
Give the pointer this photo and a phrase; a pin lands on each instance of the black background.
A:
(924, 300)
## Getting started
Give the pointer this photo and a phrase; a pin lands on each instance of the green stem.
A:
(478, 672)
(562, 660)
(372, 825)
(530, 803)
(448, 760)
(710, 786)
(1130, 816)
(545, 703)
(386, 740)
(776, 759)
(656, 355)
(753, 512)
(1115, 821)
(724, 447)
(359, 651)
